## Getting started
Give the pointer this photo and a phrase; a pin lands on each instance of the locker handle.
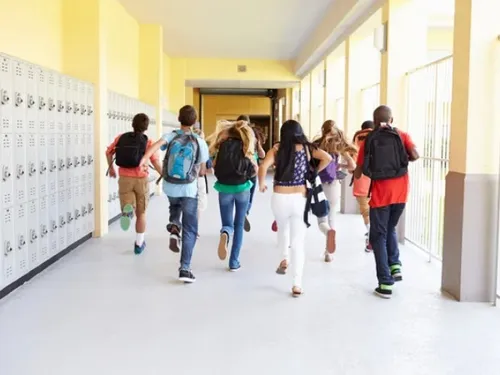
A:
(84, 211)
(31, 101)
(77, 161)
(21, 242)
(89, 110)
(32, 169)
(42, 103)
(4, 96)
(43, 231)
(69, 108)
(77, 214)
(62, 223)
(60, 106)
(20, 171)
(43, 167)
(84, 160)
(69, 163)
(91, 159)
(5, 174)
(53, 166)
(110, 198)
(19, 99)
(33, 236)
(61, 165)
(54, 226)
(76, 108)
(83, 110)
(70, 217)
(91, 208)
(7, 248)
(51, 104)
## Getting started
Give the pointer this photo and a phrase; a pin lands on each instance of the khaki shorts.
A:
(134, 191)
(364, 208)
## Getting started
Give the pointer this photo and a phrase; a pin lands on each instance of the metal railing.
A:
(428, 119)
(370, 100)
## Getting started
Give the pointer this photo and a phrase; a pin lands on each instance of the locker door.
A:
(75, 98)
(62, 222)
(42, 100)
(33, 238)
(90, 207)
(44, 228)
(83, 107)
(7, 162)
(83, 158)
(6, 94)
(43, 169)
(52, 108)
(20, 230)
(61, 164)
(32, 98)
(90, 156)
(8, 246)
(77, 157)
(32, 154)
(20, 169)
(70, 216)
(84, 209)
(19, 96)
(68, 117)
(90, 108)
(52, 163)
(53, 224)
(70, 166)
(77, 213)
(60, 116)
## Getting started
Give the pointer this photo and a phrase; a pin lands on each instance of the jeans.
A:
(232, 223)
(383, 238)
(252, 193)
(188, 209)
(332, 193)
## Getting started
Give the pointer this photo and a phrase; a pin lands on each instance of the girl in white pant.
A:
(288, 201)
(333, 142)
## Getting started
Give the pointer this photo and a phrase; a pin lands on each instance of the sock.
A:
(367, 227)
(139, 240)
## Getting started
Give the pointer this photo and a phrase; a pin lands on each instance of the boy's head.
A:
(367, 125)
(187, 115)
(140, 123)
(244, 118)
(382, 115)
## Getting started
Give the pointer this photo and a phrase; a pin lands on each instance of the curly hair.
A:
(239, 130)
(334, 141)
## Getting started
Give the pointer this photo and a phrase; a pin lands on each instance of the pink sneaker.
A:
(274, 227)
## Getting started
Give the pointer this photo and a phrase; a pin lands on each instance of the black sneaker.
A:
(396, 273)
(247, 225)
(384, 291)
(186, 276)
(175, 243)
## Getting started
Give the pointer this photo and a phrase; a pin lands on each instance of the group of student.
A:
(307, 177)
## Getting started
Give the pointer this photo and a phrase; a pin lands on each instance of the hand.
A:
(144, 164)
(112, 172)
(263, 188)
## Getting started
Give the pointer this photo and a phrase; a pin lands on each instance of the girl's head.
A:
(239, 130)
(291, 133)
(333, 140)
(260, 137)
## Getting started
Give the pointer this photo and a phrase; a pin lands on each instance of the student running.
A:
(291, 158)
(235, 167)
(333, 142)
(384, 158)
(184, 162)
(133, 184)
(362, 185)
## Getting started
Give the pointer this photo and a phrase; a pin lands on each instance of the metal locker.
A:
(7, 162)
(21, 240)
(6, 95)
(52, 108)
(19, 98)
(20, 169)
(41, 77)
(43, 228)
(77, 159)
(53, 224)
(81, 169)
(31, 98)
(32, 180)
(75, 98)
(77, 213)
(90, 108)
(33, 238)
(70, 216)
(2, 256)
(69, 160)
(84, 209)
(43, 168)
(61, 220)
(89, 144)
(61, 162)
(60, 115)
(82, 119)
(52, 163)
(8, 246)
(90, 206)
(68, 117)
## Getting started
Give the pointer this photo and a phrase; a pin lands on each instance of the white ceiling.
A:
(264, 29)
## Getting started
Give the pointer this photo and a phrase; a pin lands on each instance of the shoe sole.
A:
(174, 245)
(187, 280)
(328, 258)
(397, 278)
(330, 241)
(384, 296)
(234, 269)
(222, 249)
(125, 220)
(247, 225)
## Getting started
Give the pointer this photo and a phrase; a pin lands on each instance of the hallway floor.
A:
(102, 310)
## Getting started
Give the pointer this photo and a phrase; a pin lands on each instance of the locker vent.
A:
(31, 74)
(19, 71)
(32, 125)
(51, 80)
(5, 123)
(242, 68)
(20, 125)
(5, 66)
(41, 76)
(7, 216)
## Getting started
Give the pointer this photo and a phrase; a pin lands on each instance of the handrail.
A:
(371, 86)
(429, 64)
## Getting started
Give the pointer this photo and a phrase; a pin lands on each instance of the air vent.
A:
(242, 68)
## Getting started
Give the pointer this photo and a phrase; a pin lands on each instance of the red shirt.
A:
(394, 190)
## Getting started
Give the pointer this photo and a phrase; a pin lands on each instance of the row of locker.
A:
(37, 100)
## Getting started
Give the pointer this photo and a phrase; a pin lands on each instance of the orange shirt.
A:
(391, 191)
(130, 172)
(361, 185)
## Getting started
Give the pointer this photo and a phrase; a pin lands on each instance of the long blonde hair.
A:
(239, 130)
(334, 141)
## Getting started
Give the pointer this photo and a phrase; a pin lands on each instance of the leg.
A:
(379, 218)
(364, 208)
(141, 191)
(226, 208)
(327, 224)
(297, 242)
(189, 230)
(241, 205)
(247, 225)
(127, 201)
(175, 211)
(396, 211)
(281, 214)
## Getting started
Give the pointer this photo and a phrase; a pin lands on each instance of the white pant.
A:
(332, 192)
(288, 210)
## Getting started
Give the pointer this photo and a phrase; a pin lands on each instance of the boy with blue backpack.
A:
(185, 160)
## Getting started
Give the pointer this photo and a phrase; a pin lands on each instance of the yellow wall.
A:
(32, 30)
(220, 107)
(440, 39)
(166, 81)
(122, 50)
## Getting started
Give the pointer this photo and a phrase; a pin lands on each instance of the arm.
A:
(413, 154)
(410, 147)
(157, 166)
(323, 157)
(260, 151)
(151, 151)
(358, 172)
(350, 163)
(264, 167)
(112, 172)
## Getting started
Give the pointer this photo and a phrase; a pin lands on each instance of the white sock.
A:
(139, 239)
(367, 227)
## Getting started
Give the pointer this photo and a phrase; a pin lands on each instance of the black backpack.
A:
(130, 149)
(385, 154)
(231, 166)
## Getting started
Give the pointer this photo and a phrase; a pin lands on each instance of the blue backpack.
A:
(181, 163)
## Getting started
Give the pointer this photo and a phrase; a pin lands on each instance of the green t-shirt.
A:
(233, 189)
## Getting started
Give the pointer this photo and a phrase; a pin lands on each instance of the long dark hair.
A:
(291, 134)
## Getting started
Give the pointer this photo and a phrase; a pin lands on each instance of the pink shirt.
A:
(361, 185)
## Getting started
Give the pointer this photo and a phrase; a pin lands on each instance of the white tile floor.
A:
(102, 310)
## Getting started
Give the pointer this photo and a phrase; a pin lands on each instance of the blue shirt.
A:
(185, 190)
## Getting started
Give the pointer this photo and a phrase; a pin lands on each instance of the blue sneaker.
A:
(139, 249)
(127, 216)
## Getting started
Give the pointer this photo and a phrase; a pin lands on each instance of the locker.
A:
(89, 145)
(7, 161)
(43, 231)
(61, 164)
(70, 161)
(70, 216)
(68, 110)
(31, 98)
(33, 238)
(19, 113)
(20, 169)
(77, 213)
(80, 159)
(32, 154)
(3, 255)
(53, 224)
(6, 94)
(82, 87)
(41, 77)
(62, 222)
(52, 163)
(75, 98)
(60, 115)
(21, 240)
(90, 207)
(8, 246)
(42, 165)
(52, 109)
(90, 108)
